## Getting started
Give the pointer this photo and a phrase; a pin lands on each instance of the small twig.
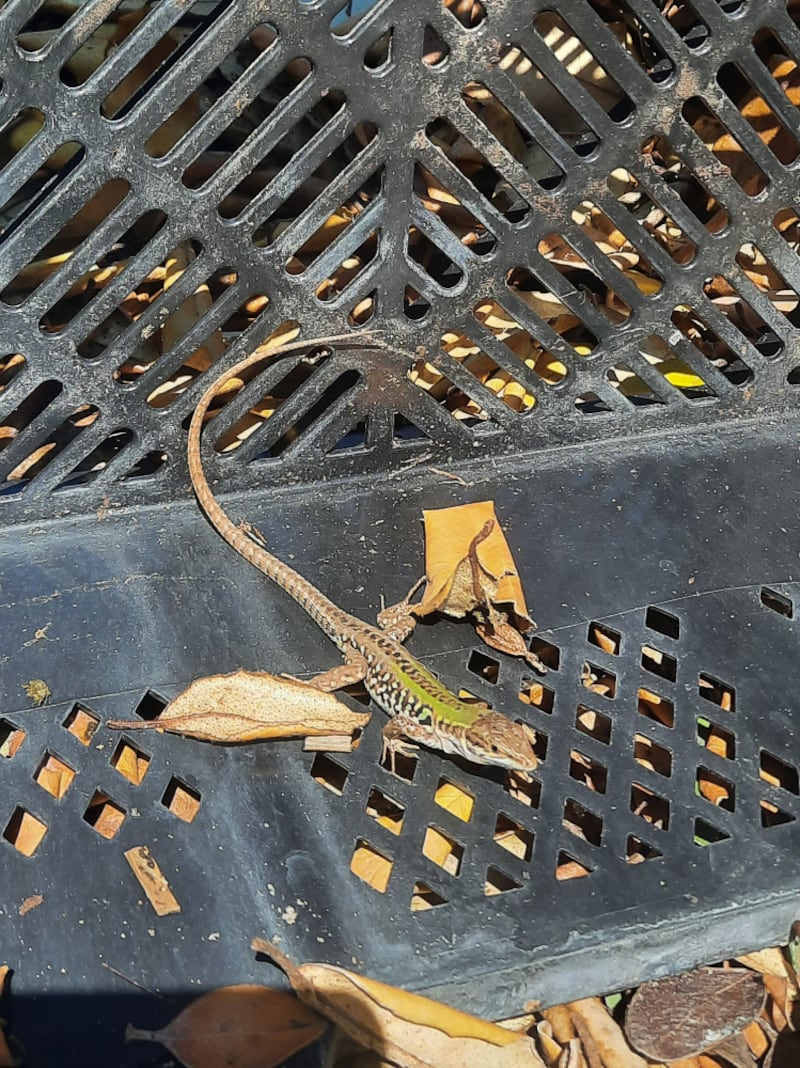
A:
(127, 979)
(450, 475)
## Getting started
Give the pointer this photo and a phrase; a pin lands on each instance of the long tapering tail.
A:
(323, 611)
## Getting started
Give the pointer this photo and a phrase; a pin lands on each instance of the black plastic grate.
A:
(616, 271)
(252, 167)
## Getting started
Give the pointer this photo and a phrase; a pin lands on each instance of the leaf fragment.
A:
(247, 706)
(592, 1020)
(152, 881)
(237, 1026)
(683, 1015)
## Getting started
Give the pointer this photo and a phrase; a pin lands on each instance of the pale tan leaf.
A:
(247, 706)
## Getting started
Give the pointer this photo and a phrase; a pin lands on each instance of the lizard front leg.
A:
(395, 740)
(398, 619)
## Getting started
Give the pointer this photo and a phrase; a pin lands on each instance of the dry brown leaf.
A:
(238, 1026)
(247, 706)
(684, 1015)
(408, 1030)
(470, 571)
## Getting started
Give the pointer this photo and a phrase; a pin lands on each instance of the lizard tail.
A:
(328, 616)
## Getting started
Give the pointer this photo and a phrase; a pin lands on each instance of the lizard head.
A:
(496, 740)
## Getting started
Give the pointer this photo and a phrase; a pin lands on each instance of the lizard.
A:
(422, 711)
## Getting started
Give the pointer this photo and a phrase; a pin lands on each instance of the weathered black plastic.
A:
(115, 589)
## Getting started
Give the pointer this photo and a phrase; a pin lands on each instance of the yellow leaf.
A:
(407, 1030)
(247, 706)
(238, 1026)
(455, 800)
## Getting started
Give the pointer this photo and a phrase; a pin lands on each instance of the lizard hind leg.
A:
(336, 678)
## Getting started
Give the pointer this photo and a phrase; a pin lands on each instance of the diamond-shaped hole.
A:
(716, 789)
(534, 693)
(706, 833)
(590, 772)
(656, 707)
(537, 738)
(329, 773)
(469, 698)
(590, 403)
(104, 815)
(595, 724)
(659, 663)
(778, 773)
(599, 679)
(772, 816)
(443, 850)
(53, 775)
(512, 836)
(568, 867)
(130, 761)
(24, 831)
(385, 811)
(499, 882)
(379, 53)
(777, 602)
(582, 822)
(525, 790)
(369, 864)
(425, 897)
(637, 850)
(435, 49)
(605, 638)
(549, 654)
(663, 622)
(649, 806)
(454, 799)
(151, 706)
(651, 755)
(181, 799)
(717, 692)
(716, 739)
(486, 666)
(81, 724)
(401, 765)
(11, 738)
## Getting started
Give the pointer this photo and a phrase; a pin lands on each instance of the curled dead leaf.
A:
(407, 1030)
(248, 706)
(470, 572)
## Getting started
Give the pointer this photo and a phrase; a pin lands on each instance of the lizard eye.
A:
(494, 748)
